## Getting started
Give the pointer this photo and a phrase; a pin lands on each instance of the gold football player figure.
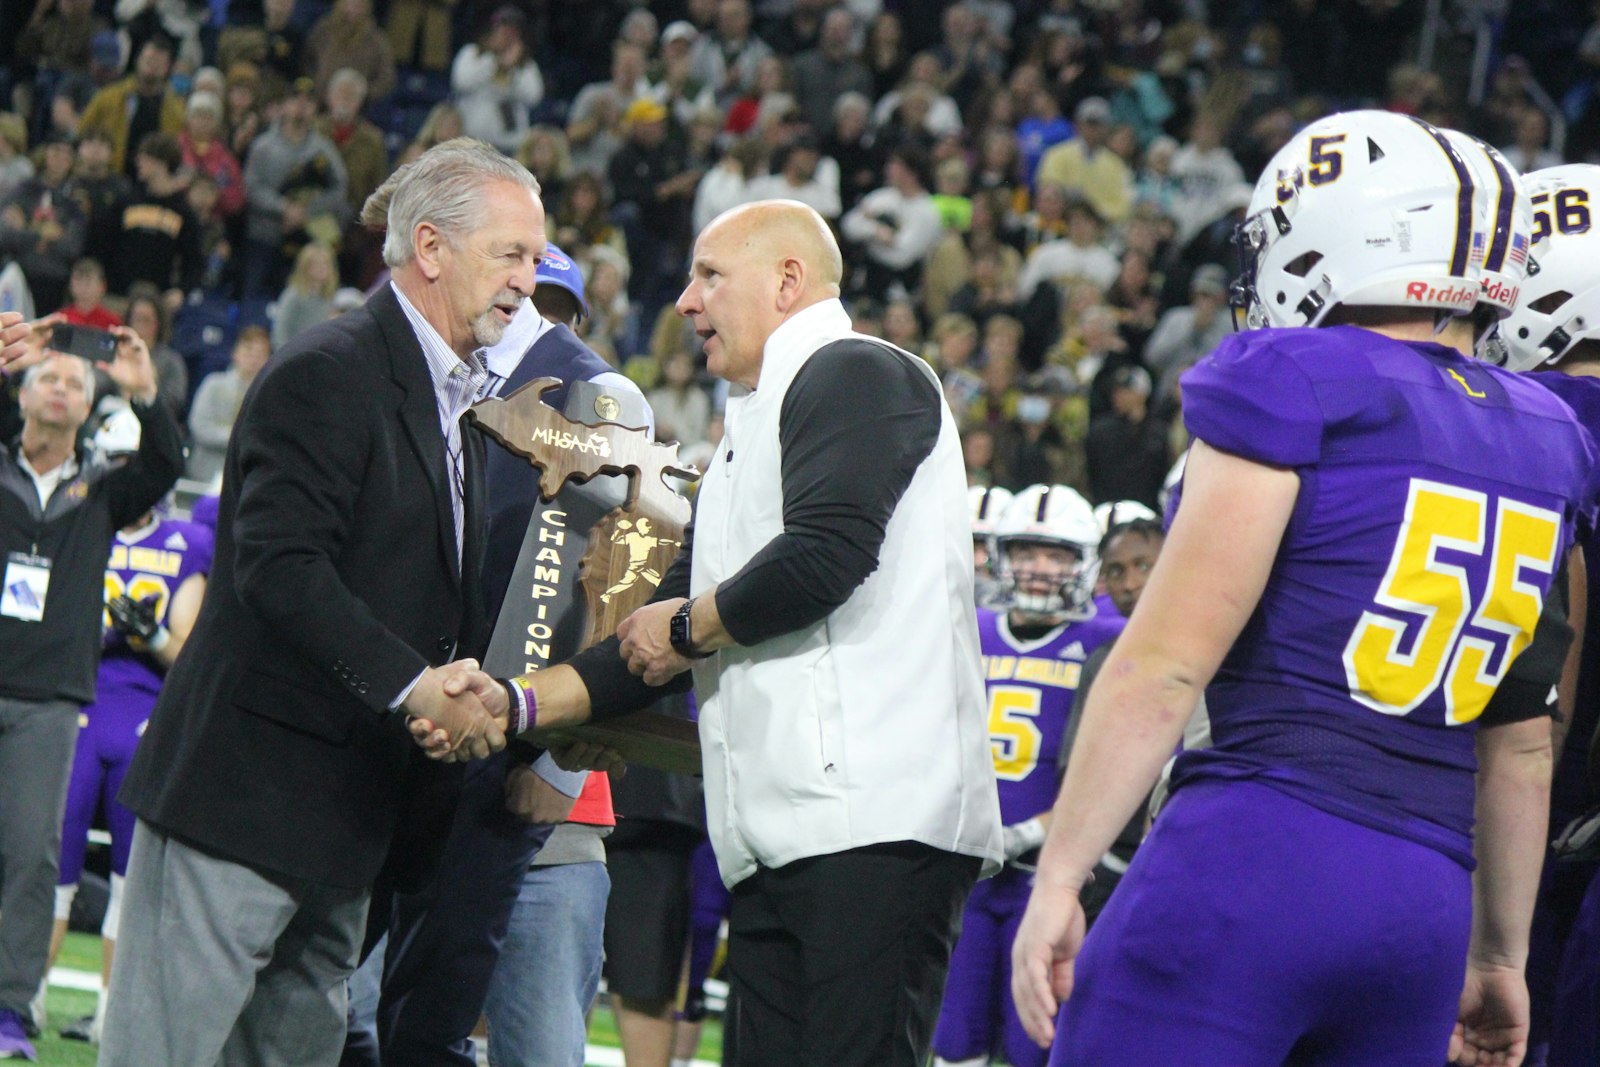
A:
(641, 543)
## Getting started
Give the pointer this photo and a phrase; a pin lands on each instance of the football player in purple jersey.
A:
(988, 504)
(1357, 563)
(1555, 327)
(1044, 625)
(155, 580)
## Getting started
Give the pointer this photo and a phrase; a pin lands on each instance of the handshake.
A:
(457, 712)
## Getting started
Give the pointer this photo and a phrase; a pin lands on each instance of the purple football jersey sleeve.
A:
(1250, 399)
(1432, 515)
(1030, 686)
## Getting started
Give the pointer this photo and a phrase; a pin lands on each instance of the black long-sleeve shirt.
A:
(857, 421)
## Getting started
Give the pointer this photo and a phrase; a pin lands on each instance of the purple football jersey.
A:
(1437, 496)
(151, 564)
(1030, 686)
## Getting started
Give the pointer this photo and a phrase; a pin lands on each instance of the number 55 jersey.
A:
(1437, 497)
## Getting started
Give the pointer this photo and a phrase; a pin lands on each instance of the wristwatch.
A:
(678, 632)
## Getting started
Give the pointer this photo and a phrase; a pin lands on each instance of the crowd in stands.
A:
(1036, 196)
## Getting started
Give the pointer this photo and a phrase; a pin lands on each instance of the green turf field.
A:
(82, 953)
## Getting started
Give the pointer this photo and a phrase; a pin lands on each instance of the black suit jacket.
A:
(336, 581)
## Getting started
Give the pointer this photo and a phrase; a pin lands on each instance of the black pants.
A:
(840, 960)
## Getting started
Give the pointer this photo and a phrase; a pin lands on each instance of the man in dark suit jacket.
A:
(277, 769)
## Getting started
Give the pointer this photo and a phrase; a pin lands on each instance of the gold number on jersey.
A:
(1432, 597)
(1014, 731)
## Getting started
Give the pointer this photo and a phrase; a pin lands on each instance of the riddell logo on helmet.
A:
(1450, 296)
(1501, 293)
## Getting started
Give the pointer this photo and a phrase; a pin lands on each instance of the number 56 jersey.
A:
(1437, 497)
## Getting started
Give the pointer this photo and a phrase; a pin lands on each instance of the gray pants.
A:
(36, 742)
(221, 963)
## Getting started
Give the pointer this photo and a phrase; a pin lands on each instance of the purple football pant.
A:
(1254, 930)
(107, 736)
(977, 1005)
(1575, 1034)
(710, 903)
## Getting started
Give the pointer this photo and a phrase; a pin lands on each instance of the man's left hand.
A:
(534, 800)
(646, 638)
(131, 368)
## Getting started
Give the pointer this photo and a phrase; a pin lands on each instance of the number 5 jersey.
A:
(1437, 498)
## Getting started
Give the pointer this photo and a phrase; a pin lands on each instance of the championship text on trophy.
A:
(630, 546)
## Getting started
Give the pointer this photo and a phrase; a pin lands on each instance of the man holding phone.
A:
(59, 510)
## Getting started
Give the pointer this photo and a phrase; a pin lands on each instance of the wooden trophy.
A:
(629, 548)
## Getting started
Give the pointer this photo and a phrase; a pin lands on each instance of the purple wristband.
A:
(523, 705)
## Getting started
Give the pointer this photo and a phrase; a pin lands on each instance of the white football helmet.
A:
(1050, 515)
(1116, 512)
(988, 504)
(1364, 208)
(1560, 301)
(1502, 242)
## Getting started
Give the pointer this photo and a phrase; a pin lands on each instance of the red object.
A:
(593, 807)
(99, 316)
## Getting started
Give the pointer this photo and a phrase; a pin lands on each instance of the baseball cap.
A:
(1093, 109)
(644, 110)
(680, 30)
(1135, 378)
(557, 268)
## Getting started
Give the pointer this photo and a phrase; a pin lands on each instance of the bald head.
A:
(773, 230)
(755, 267)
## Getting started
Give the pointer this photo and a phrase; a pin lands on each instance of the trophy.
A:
(604, 502)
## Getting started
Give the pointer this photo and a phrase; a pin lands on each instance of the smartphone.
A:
(94, 345)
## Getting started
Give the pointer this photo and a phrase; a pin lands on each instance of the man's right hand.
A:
(23, 343)
(458, 724)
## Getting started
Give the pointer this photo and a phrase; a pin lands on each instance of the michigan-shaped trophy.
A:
(601, 531)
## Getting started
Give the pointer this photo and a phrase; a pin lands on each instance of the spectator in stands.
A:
(1205, 172)
(640, 27)
(419, 32)
(681, 405)
(214, 241)
(594, 123)
(308, 297)
(1127, 446)
(216, 404)
(654, 191)
(205, 151)
(1079, 255)
(159, 241)
(179, 20)
(886, 56)
(50, 614)
(827, 72)
(149, 318)
(15, 166)
(42, 227)
(87, 289)
(918, 108)
(1047, 221)
(992, 288)
(851, 144)
(544, 152)
(100, 192)
(804, 174)
(673, 80)
(497, 83)
(276, 47)
(726, 59)
(58, 35)
(902, 325)
(348, 36)
(293, 176)
(1531, 151)
(897, 224)
(1186, 333)
(139, 104)
(585, 218)
(1043, 127)
(769, 92)
(245, 120)
(360, 142)
(606, 282)
(727, 184)
(442, 124)
(966, 55)
(1087, 166)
